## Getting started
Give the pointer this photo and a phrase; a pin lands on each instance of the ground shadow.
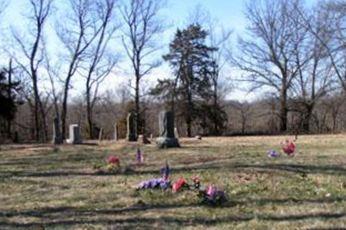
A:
(261, 168)
(168, 221)
(80, 211)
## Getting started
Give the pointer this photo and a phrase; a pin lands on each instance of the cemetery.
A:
(221, 182)
(172, 114)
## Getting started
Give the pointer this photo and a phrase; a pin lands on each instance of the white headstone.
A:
(176, 134)
(75, 137)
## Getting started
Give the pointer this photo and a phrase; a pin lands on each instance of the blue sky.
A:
(229, 14)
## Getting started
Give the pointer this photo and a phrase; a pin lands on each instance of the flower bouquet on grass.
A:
(112, 165)
(273, 154)
(180, 184)
(288, 147)
(154, 184)
(213, 196)
(163, 182)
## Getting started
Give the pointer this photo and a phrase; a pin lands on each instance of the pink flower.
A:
(211, 190)
(113, 160)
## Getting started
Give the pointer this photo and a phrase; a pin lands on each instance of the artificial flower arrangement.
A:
(288, 147)
(273, 153)
(163, 182)
(210, 194)
(111, 165)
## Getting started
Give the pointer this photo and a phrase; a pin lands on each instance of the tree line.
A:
(293, 53)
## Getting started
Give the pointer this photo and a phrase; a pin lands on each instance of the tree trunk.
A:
(137, 109)
(307, 118)
(36, 115)
(40, 116)
(216, 129)
(64, 109)
(283, 107)
(89, 111)
(90, 121)
(43, 121)
(243, 124)
(189, 114)
(9, 95)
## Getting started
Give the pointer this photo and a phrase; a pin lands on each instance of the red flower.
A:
(179, 184)
(113, 160)
(289, 147)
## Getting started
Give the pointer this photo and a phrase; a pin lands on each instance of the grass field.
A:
(42, 187)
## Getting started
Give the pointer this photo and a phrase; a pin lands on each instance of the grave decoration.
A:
(180, 184)
(139, 156)
(110, 165)
(155, 183)
(163, 182)
(113, 164)
(273, 153)
(212, 195)
(196, 182)
(165, 171)
(288, 147)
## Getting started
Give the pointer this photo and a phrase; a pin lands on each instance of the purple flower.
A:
(273, 153)
(139, 156)
(154, 183)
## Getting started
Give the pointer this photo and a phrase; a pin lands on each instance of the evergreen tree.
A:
(8, 100)
(190, 58)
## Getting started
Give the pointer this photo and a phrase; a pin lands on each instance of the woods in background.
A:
(294, 54)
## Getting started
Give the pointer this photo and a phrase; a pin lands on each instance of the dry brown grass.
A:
(59, 188)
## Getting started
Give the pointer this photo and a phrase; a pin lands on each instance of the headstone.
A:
(57, 137)
(176, 132)
(75, 137)
(116, 132)
(167, 138)
(100, 134)
(96, 131)
(131, 128)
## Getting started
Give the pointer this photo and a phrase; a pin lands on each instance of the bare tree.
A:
(332, 105)
(101, 61)
(266, 59)
(336, 47)
(33, 55)
(217, 79)
(315, 75)
(53, 74)
(334, 24)
(77, 34)
(244, 109)
(142, 26)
